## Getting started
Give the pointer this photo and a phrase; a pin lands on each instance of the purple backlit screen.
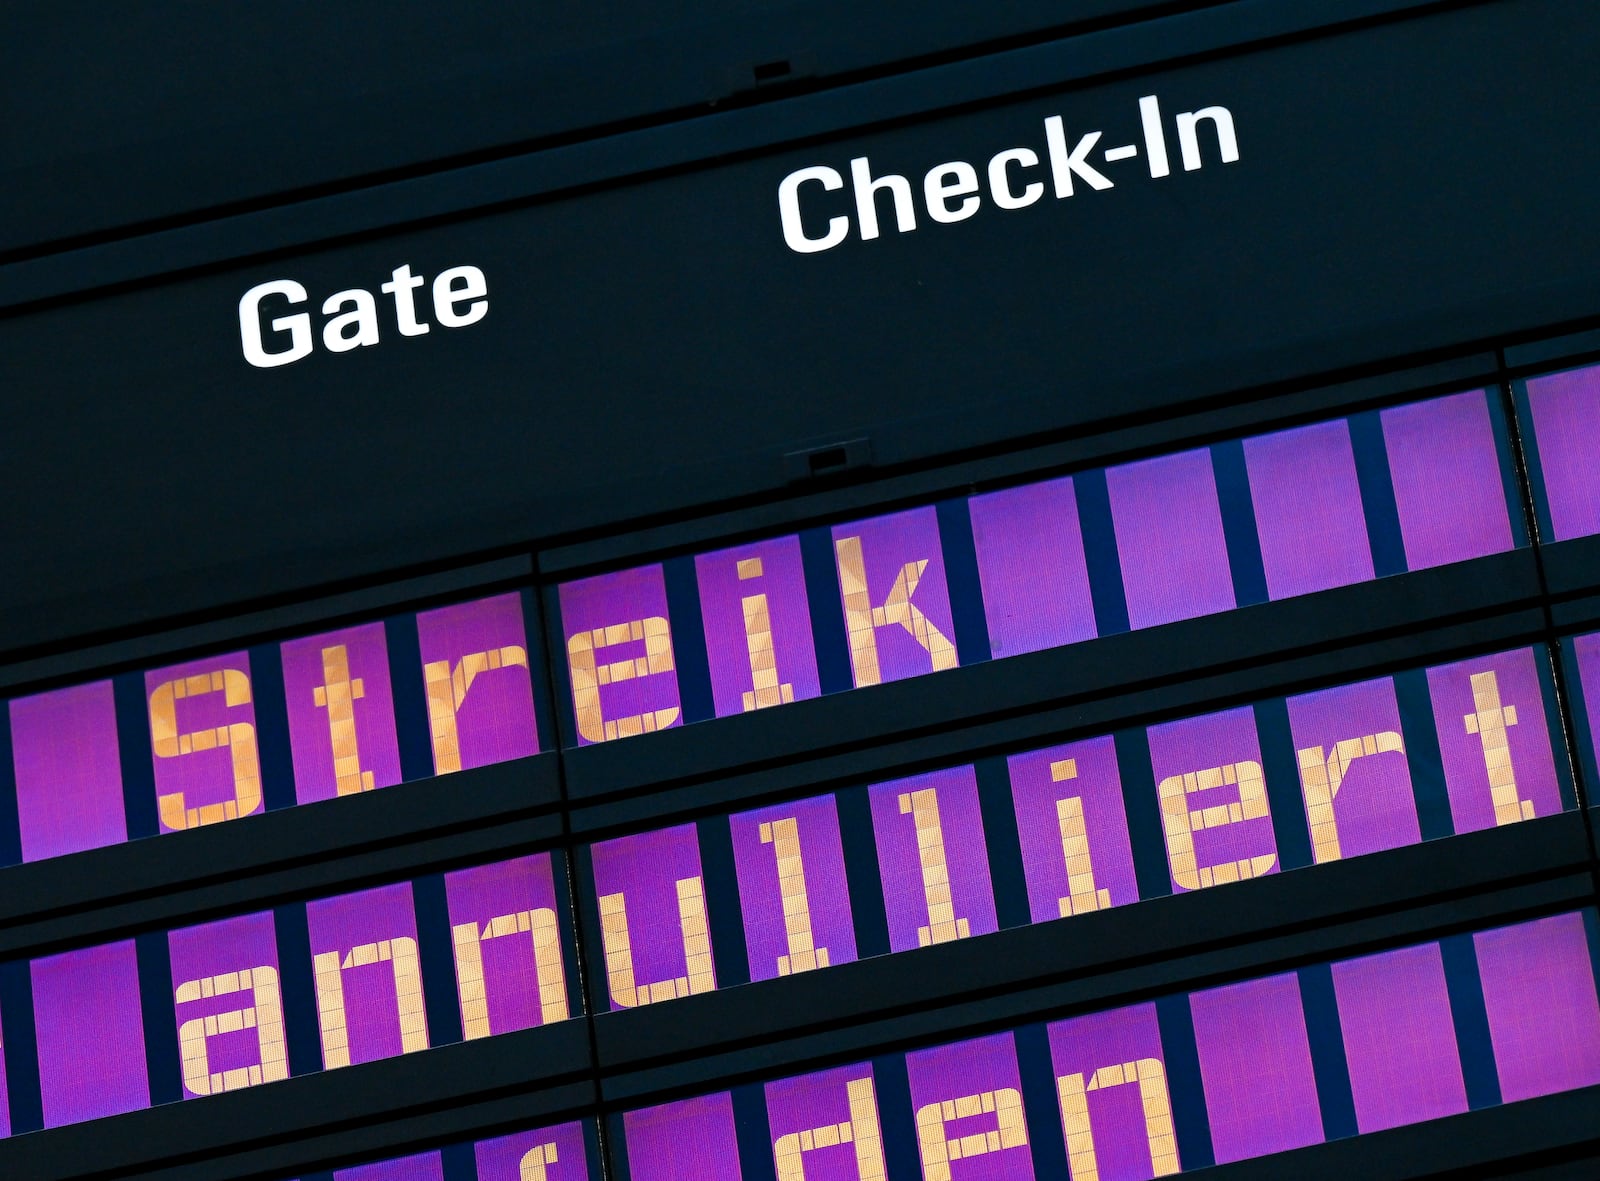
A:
(984, 1069)
(1032, 569)
(895, 598)
(341, 713)
(1566, 428)
(620, 654)
(368, 977)
(693, 1140)
(203, 735)
(505, 926)
(560, 1150)
(475, 669)
(809, 1116)
(90, 1033)
(757, 626)
(1127, 1120)
(69, 772)
(228, 1004)
(1169, 537)
(424, 1166)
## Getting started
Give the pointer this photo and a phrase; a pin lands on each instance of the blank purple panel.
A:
(1215, 812)
(758, 626)
(823, 1102)
(69, 773)
(1308, 509)
(511, 1158)
(792, 889)
(1130, 1118)
(504, 921)
(651, 894)
(689, 1141)
(620, 654)
(228, 967)
(90, 1032)
(1544, 1020)
(425, 1166)
(341, 713)
(476, 674)
(986, 1068)
(5, 1095)
(932, 858)
(1031, 567)
(1446, 475)
(1587, 651)
(1566, 426)
(1255, 1064)
(203, 734)
(368, 975)
(1074, 829)
(1399, 1037)
(895, 597)
(1355, 775)
(1169, 538)
(1498, 765)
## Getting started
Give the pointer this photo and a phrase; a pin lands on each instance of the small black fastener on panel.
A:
(830, 459)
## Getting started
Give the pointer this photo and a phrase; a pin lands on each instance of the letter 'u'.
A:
(699, 975)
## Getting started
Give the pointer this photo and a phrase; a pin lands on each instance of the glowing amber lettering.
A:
(264, 1014)
(588, 676)
(329, 968)
(532, 1166)
(804, 955)
(939, 1151)
(860, 1130)
(943, 925)
(238, 737)
(338, 694)
(699, 976)
(1321, 777)
(1490, 723)
(1082, 897)
(1151, 1076)
(468, 938)
(862, 619)
(1180, 824)
(447, 691)
(765, 688)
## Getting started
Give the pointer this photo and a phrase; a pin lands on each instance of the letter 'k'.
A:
(862, 619)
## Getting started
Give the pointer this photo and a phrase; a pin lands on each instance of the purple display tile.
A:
(69, 771)
(1255, 1064)
(1308, 510)
(1566, 426)
(1539, 993)
(932, 859)
(368, 975)
(550, 1154)
(619, 644)
(1446, 473)
(1213, 797)
(792, 889)
(1031, 567)
(1170, 542)
(341, 713)
(1073, 828)
(970, 1118)
(478, 683)
(693, 1140)
(1498, 765)
(1586, 649)
(825, 1126)
(505, 930)
(653, 921)
(1111, 1083)
(5, 1094)
(89, 1029)
(203, 739)
(424, 1166)
(228, 1004)
(1355, 776)
(1399, 1037)
(758, 626)
(896, 601)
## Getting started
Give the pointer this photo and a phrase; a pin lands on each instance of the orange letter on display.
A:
(239, 738)
(532, 1167)
(1181, 824)
(540, 925)
(338, 694)
(862, 620)
(1489, 722)
(264, 1015)
(329, 970)
(1321, 776)
(943, 925)
(1082, 896)
(447, 691)
(1151, 1076)
(939, 1151)
(588, 676)
(804, 955)
(860, 1130)
(766, 689)
(699, 975)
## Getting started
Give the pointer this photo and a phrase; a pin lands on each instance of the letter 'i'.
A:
(766, 689)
